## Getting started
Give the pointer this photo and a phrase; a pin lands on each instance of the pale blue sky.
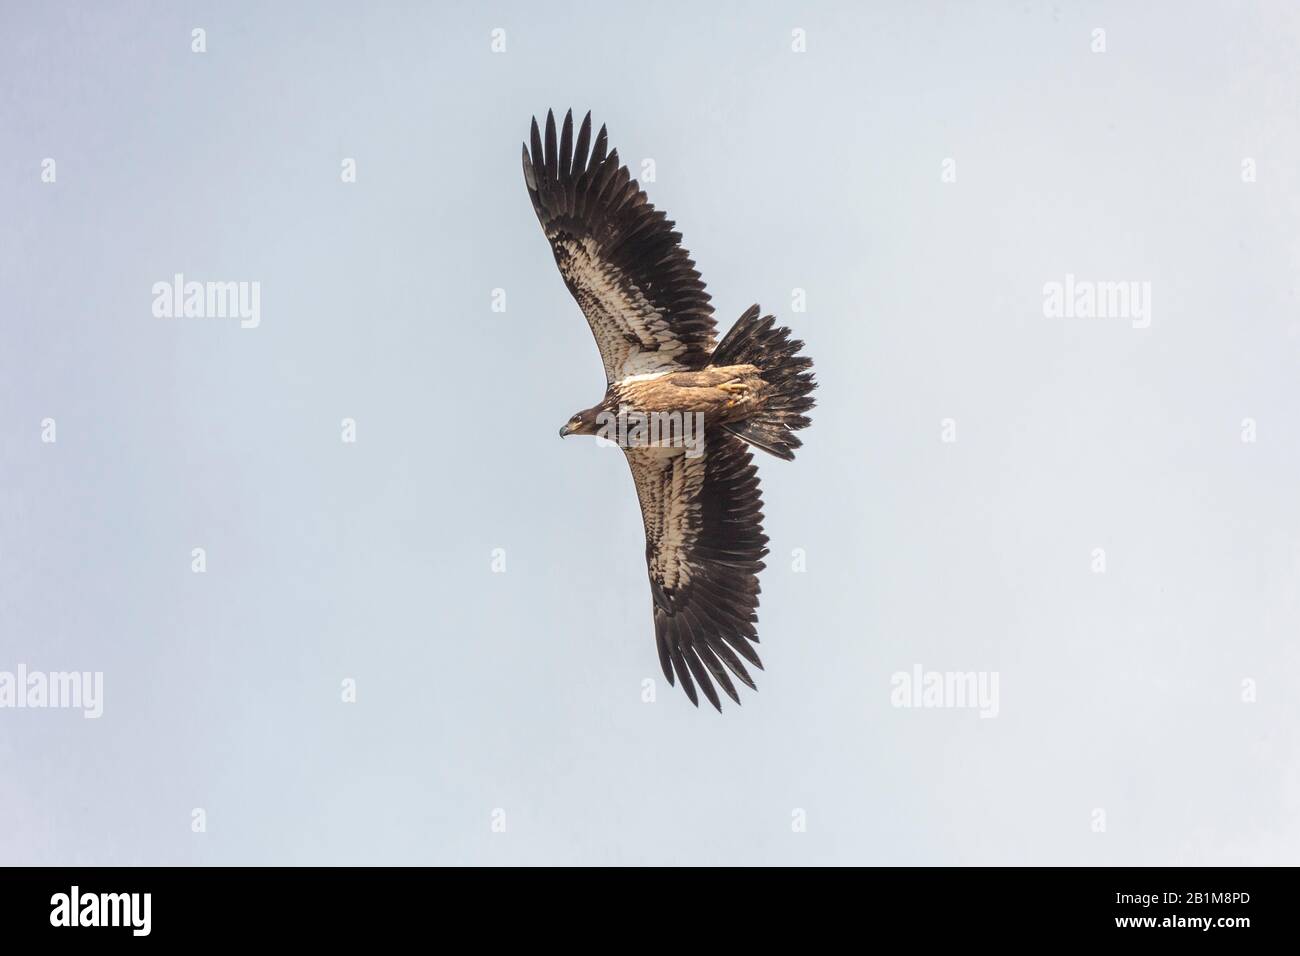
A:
(817, 171)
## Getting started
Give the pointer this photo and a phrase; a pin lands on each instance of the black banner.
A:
(1162, 906)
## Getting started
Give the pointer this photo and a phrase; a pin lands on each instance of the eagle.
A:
(685, 407)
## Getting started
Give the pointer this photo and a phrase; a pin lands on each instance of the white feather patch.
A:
(668, 484)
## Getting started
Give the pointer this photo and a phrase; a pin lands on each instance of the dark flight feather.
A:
(619, 256)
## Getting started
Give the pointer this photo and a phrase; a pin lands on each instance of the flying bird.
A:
(654, 327)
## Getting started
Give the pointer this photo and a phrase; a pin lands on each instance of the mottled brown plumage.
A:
(725, 394)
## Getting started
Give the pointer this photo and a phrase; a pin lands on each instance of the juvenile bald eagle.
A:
(653, 324)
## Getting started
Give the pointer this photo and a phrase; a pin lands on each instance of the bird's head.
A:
(581, 423)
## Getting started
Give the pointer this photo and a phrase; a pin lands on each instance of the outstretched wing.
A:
(618, 255)
(704, 548)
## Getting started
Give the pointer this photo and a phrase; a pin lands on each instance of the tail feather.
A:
(759, 342)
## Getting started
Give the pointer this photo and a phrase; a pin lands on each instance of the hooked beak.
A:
(564, 431)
